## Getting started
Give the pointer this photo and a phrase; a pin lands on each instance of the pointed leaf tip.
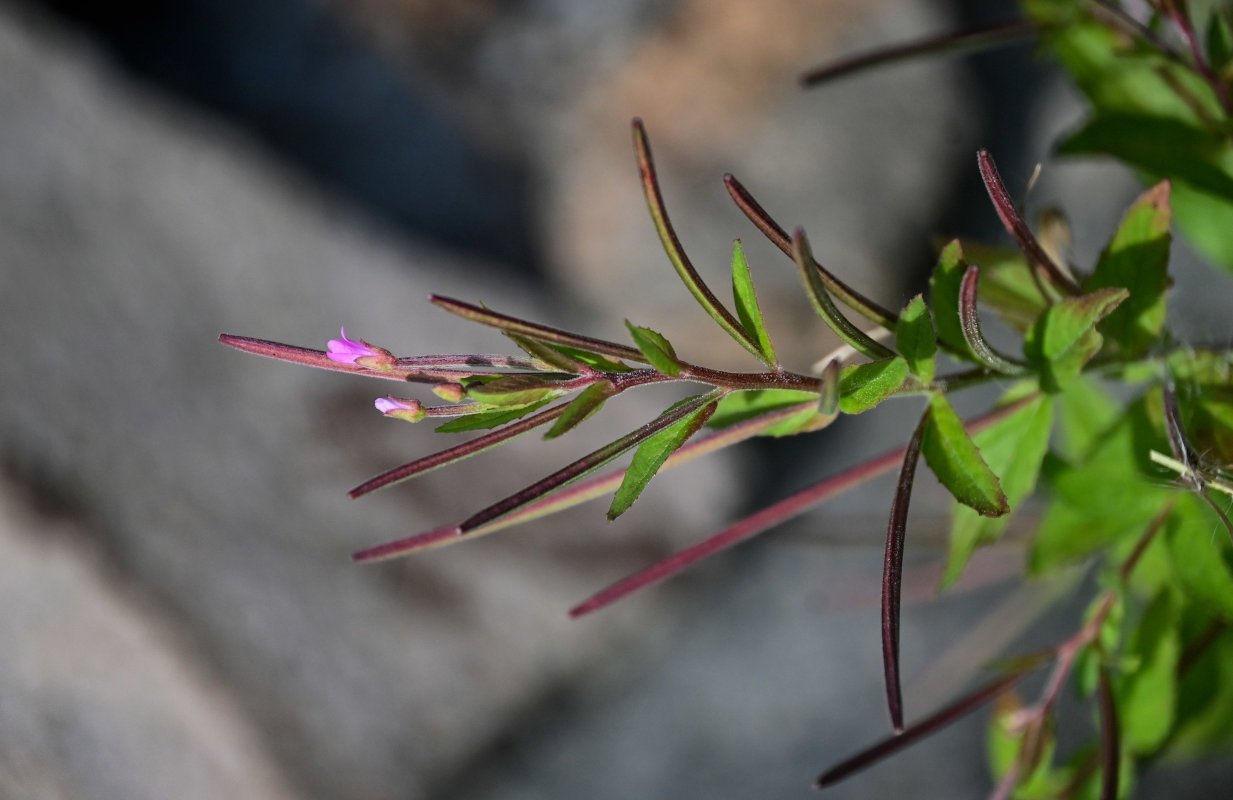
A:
(1137, 259)
(652, 454)
(1017, 228)
(658, 351)
(815, 287)
(747, 309)
(676, 252)
(954, 458)
(916, 340)
(969, 323)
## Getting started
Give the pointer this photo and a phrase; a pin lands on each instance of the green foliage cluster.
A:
(1135, 490)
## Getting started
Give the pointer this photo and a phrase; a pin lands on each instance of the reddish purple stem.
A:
(458, 452)
(914, 733)
(768, 518)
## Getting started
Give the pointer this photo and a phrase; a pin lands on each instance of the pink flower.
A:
(359, 353)
(399, 408)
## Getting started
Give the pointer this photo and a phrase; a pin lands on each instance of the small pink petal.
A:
(358, 353)
(410, 410)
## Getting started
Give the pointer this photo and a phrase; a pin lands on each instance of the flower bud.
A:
(453, 392)
(400, 408)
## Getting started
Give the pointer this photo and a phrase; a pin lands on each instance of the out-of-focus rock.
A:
(208, 485)
(859, 163)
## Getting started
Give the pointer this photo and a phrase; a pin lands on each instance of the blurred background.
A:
(180, 615)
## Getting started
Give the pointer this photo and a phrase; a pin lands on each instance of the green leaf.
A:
(1200, 556)
(512, 390)
(944, 298)
(1104, 498)
(739, 406)
(590, 400)
(1013, 448)
(816, 289)
(1205, 694)
(1006, 284)
(1148, 696)
(489, 419)
(863, 386)
(658, 351)
(1086, 413)
(1108, 641)
(1119, 75)
(747, 309)
(1064, 338)
(549, 355)
(916, 340)
(593, 360)
(1206, 221)
(1137, 259)
(675, 252)
(1219, 41)
(957, 462)
(749, 403)
(1161, 147)
(652, 454)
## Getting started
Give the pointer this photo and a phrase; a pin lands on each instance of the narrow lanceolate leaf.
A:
(822, 303)
(1137, 259)
(593, 360)
(533, 330)
(1017, 228)
(969, 323)
(584, 405)
(1188, 154)
(676, 253)
(892, 575)
(1014, 449)
(769, 517)
(914, 733)
(746, 404)
(458, 452)
(944, 286)
(747, 309)
(514, 390)
(1219, 40)
(588, 463)
(486, 417)
(811, 413)
(581, 492)
(863, 386)
(829, 391)
(1009, 286)
(1149, 693)
(953, 457)
(652, 454)
(779, 237)
(551, 357)
(1065, 338)
(657, 350)
(916, 340)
